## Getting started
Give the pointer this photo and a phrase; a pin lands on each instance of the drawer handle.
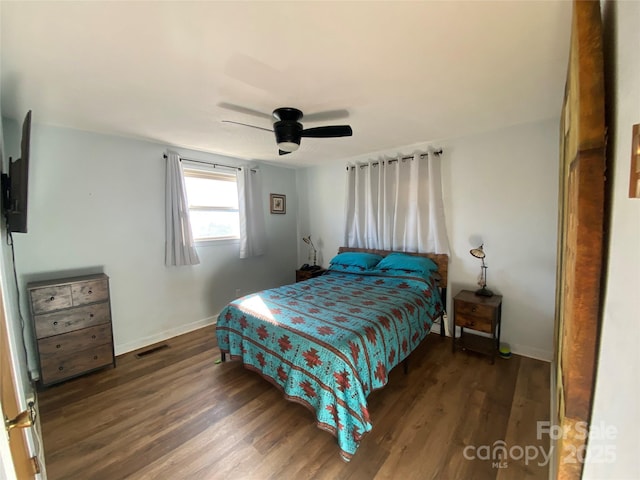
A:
(95, 357)
(51, 299)
(90, 292)
(60, 368)
(473, 309)
(58, 346)
(93, 336)
(55, 323)
(91, 315)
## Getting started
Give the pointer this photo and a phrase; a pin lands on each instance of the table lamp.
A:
(482, 281)
(308, 241)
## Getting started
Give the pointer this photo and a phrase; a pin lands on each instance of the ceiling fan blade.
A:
(328, 116)
(282, 152)
(247, 125)
(245, 110)
(329, 131)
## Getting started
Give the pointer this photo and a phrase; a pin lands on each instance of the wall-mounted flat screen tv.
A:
(15, 185)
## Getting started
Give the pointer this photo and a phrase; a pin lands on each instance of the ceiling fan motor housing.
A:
(288, 114)
(287, 132)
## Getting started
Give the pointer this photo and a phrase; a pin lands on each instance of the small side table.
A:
(302, 275)
(482, 314)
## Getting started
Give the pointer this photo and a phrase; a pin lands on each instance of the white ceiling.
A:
(406, 72)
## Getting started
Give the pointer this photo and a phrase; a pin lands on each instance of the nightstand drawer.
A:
(474, 309)
(481, 324)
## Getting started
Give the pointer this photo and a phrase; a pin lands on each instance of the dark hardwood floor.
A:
(176, 414)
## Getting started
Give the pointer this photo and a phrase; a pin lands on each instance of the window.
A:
(213, 204)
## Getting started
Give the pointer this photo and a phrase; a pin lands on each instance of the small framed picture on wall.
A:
(278, 203)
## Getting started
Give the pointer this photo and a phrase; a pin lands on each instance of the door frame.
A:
(580, 238)
(19, 463)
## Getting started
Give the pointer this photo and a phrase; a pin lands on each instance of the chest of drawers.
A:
(72, 323)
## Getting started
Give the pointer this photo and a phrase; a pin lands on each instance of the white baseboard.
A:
(164, 335)
(531, 352)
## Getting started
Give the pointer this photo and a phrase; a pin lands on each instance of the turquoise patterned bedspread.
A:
(330, 341)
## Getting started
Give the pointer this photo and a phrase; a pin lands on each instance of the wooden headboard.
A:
(441, 259)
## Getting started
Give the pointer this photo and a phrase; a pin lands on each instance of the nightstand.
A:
(307, 274)
(482, 314)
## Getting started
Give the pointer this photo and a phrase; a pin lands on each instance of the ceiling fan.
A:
(288, 129)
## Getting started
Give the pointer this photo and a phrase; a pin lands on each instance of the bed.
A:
(329, 341)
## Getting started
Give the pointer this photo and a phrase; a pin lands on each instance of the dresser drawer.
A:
(48, 299)
(72, 319)
(91, 291)
(60, 367)
(481, 324)
(75, 341)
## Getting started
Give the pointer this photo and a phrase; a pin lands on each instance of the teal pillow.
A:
(356, 259)
(409, 263)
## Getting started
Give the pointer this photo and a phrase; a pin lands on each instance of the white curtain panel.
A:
(179, 245)
(252, 230)
(397, 205)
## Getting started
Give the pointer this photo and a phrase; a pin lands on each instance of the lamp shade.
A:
(478, 252)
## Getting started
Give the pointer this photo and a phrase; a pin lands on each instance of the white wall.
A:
(618, 376)
(322, 212)
(96, 203)
(499, 187)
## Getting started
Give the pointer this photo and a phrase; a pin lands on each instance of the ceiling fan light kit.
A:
(288, 147)
(288, 129)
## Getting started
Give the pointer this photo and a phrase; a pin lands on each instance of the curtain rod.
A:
(436, 152)
(208, 163)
